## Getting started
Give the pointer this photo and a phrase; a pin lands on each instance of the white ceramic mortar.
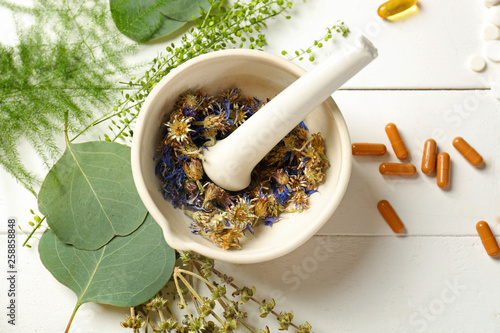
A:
(257, 74)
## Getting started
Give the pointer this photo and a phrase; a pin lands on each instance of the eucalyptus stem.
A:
(72, 317)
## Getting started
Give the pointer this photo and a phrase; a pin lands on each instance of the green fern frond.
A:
(69, 60)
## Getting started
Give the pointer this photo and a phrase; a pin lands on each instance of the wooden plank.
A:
(424, 208)
(337, 284)
(429, 49)
(383, 284)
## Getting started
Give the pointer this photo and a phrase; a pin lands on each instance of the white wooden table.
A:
(356, 275)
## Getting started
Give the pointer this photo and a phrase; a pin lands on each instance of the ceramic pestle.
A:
(230, 161)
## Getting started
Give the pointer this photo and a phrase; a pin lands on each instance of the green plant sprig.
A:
(300, 54)
(232, 26)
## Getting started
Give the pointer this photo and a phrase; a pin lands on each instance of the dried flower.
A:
(206, 307)
(219, 292)
(228, 239)
(178, 129)
(267, 307)
(166, 326)
(190, 99)
(298, 201)
(282, 182)
(241, 213)
(306, 328)
(135, 322)
(281, 177)
(193, 169)
(285, 319)
(245, 293)
(156, 303)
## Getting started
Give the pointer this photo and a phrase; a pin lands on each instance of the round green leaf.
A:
(167, 27)
(183, 10)
(126, 272)
(89, 195)
(141, 20)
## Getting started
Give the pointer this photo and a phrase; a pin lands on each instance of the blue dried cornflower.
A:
(303, 125)
(189, 112)
(282, 192)
(249, 228)
(252, 105)
(270, 220)
(283, 181)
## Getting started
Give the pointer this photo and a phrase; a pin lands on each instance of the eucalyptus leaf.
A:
(141, 20)
(166, 28)
(126, 272)
(89, 195)
(183, 10)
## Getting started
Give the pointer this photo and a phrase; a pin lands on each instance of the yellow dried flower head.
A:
(202, 217)
(314, 176)
(194, 169)
(241, 213)
(229, 238)
(239, 115)
(297, 182)
(261, 205)
(190, 99)
(298, 202)
(281, 176)
(178, 129)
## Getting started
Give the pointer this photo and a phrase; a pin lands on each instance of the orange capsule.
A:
(390, 216)
(468, 152)
(397, 143)
(367, 149)
(397, 169)
(429, 157)
(489, 241)
(443, 170)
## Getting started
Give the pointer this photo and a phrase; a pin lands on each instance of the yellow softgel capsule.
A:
(394, 7)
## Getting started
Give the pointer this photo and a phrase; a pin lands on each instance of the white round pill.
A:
(491, 32)
(477, 63)
(493, 51)
(494, 15)
(489, 3)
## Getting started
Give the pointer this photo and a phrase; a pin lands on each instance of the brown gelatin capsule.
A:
(397, 169)
(368, 149)
(468, 152)
(390, 216)
(397, 143)
(489, 241)
(429, 157)
(443, 170)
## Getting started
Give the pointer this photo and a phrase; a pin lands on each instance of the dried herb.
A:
(219, 310)
(281, 182)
